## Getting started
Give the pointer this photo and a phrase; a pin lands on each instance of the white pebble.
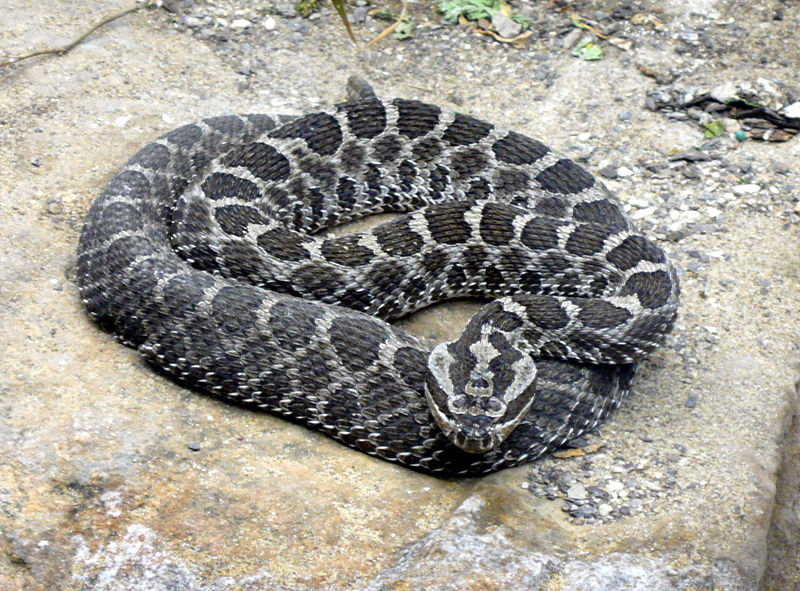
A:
(748, 189)
(241, 23)
(792, 110)
(269, 23)
(614, 486)
(639, 202)
(640, 214)
(690, 215)
(624, 171)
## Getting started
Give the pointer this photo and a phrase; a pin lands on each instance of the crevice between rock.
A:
(782, 569)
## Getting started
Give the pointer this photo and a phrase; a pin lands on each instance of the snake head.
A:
(479, 388)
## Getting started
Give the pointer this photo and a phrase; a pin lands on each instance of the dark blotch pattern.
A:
(411, 365)
(506, 321)
(516, 148)
(447, 224)
(415, 118)
(318, 281)
(586, 240)
(366, 119)
(507, 182)
(467, 163)
(466, 130)
(540, 234)
(531, 281)
(120, 217)
(474, 259)
(601, 314)
(352, 156)
(631, 250)
(426, 150)
(387, 149)
(652, 289)
(234, 309)
(235, 219)
(366, 331)
(496, 224)
(552, 206)
(407, 175)
(293, 322)
(185, 136)
(320, 131)
(602, 212)
(225, 124)
(478, 189)
(546, 312)
(156, 157)
(397, 239)
(438, 182)
(346, 251)
(284, 244)
(222, 185)
(565, 177)
(494, 279)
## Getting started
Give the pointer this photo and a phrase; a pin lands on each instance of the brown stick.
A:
(72, 44)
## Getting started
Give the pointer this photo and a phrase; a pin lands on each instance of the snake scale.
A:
(206, 252)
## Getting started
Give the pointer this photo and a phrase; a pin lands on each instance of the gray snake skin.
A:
(204, 252)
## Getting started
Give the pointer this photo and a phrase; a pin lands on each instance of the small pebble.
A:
(609, 172)
(746, 189)
(614, 486)
(624, 171)
(576, 492)
(692, 172)
(54, 206)
(582, 511)
(194, 446)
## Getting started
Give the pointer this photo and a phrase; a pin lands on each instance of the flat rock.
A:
(114, 478)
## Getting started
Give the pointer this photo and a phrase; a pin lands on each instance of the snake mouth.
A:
(474, 443)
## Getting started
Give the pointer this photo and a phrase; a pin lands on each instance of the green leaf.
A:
(523, 20)
(713, 129)
(404, 30)
(471, 9)
(588, 50)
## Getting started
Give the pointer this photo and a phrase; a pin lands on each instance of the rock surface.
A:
(112, 477)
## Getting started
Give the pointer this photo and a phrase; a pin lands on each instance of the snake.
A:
(211, 253)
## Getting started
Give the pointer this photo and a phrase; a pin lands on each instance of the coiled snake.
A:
(204, 253)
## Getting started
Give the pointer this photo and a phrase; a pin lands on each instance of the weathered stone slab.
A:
(112, 477)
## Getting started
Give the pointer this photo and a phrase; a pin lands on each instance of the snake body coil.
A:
(203, 252)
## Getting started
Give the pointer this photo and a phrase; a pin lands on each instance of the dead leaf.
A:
(565, 454)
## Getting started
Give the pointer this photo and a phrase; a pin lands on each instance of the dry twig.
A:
(388, 30)
(73, 43)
